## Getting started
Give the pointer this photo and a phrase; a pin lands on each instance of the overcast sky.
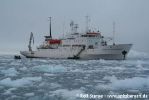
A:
(20, 17)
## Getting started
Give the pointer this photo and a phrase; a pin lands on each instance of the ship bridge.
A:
(92, 34)
(89, 40)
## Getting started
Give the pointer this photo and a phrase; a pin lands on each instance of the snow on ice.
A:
(19, 82)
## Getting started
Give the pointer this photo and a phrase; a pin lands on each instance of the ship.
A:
(88, 45)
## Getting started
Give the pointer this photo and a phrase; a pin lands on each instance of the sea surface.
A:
(46, 79)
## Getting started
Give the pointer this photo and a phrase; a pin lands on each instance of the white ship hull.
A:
(110, 52)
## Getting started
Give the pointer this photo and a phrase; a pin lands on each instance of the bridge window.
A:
(90, 47)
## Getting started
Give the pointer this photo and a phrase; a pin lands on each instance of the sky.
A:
(20, 17)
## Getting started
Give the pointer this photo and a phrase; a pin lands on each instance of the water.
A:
(46, 79)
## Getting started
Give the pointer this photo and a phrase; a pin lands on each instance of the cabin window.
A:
(90, 47)
(96, 43)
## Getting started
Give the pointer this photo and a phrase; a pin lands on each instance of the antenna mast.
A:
(113, 33)
(50, 27)
(72, 26)
(87, 24)
(63, 28)
(75, 28)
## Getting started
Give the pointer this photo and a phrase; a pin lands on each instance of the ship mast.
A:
(87, 23)
(113, 33)
(72, 26)
(75, 28)
(50, 27)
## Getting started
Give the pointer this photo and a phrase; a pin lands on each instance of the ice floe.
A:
(81, 62)
(68, 94)
(25, 81)
(29, 94)
(9, 91)
(135, 83)
(131, 83)
(23, 68)
(49, 74)
(10, 72)
(49, 68)
(55, 85)
(15, 63)
(77, 70)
